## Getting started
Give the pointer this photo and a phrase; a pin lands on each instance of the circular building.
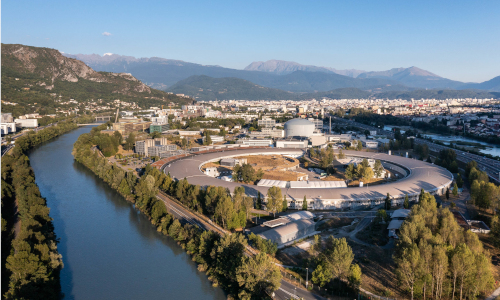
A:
(299, 128)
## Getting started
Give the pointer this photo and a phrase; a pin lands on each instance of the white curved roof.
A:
(422, 175)
(299, 122)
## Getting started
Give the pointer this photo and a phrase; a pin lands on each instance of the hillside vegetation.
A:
(34, 78)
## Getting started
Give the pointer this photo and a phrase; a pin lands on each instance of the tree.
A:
(155, 134)
(367, 173)
(495, 231)
(378, 168)
(184, 143)
(359, 146)
(118, 136)
(256, 276)
(460, 181)
(129, 142)
(248, 204)
(350, 172)
(339, 256)
(468, 168)
(461, 263)
(447, 194)
(455, 190)
(274, 200)
(304, 204)
(341, 154)
(321, 275)
(208, 139)
(407, 202)
(355, 276)
(224, 210)
(259, 201)
(408, 267)
(285, 204)
(388, 202)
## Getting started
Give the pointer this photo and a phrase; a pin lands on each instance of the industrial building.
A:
(7, 128)
(214, 138)
(232, 162)
(26, 123)
(292, 143)
(255, 142)
(267, 123)
(289, 232)
(299, 128)
(147, 147)
(126, 128)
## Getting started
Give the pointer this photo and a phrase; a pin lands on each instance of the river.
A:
(489, 148)
(110, 250)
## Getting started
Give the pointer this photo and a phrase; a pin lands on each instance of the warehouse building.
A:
(26, 123)
(292, 143)
(289, 232)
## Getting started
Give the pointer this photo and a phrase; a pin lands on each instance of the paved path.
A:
(494, 295)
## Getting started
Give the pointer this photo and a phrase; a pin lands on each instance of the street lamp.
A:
(307, 276)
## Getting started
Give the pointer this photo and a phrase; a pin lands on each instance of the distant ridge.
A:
(162, 73)
(203, 87)
(282, 67)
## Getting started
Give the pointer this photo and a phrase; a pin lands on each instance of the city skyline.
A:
(451, 40)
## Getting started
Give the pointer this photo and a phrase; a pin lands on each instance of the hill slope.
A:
(31, 75)
(490, 85)
(414, 77)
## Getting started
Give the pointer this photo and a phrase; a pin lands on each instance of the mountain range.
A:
(202, 87)
(164, 73)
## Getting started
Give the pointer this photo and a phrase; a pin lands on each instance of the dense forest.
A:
(30, 260)
(222, 258)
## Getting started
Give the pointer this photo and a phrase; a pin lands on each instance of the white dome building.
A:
(299, 127)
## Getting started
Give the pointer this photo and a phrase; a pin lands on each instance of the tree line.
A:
(437, 258)
(222, 258)
(30, 260)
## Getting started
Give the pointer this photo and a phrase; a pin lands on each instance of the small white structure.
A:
(212, 172)
(292, 143)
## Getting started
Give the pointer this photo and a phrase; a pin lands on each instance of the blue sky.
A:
(459, 40)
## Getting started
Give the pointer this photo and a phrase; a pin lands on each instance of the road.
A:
(490, 166)
(286, 290)
(14, 137)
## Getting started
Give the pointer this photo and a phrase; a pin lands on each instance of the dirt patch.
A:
(335, 222)
(374, 233)
(495, 255)
(124, 152)
(378, 270)
(282, 175)
(270, 162)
